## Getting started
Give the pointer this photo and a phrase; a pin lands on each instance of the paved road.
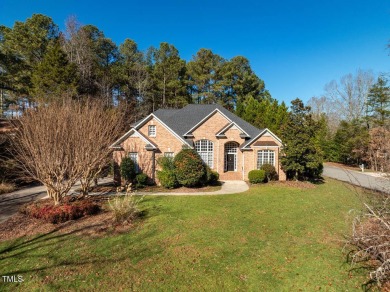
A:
(11, 202)
(367, 180)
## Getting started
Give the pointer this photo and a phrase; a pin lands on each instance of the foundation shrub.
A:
(256, 176)
(189, 168)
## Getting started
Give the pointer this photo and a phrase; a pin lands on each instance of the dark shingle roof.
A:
(183, 120)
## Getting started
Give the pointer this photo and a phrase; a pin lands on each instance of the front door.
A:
(230, 162)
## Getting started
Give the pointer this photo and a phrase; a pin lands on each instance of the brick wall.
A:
(168, 142)
(165, 140)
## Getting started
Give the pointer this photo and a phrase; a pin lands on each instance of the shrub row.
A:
(186, 169)
(266, 173)
(61, 213)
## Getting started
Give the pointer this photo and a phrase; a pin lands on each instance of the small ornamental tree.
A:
(65, 141)
(190, 169)
(127, 168)
(270, 172)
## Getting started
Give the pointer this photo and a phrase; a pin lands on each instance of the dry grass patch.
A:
(6, 188)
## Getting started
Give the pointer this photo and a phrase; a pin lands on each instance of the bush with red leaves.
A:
(61, 213)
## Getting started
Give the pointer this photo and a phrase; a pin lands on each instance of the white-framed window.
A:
(231, 148)
(205, 150)
(265, 157)
(152, 131)
(169, 154)
(134, 157)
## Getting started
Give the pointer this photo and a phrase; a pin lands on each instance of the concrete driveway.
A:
(367, 180)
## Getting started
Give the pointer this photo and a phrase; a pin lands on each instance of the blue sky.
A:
(296, 47)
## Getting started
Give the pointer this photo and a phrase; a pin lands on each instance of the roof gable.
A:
(133, 133)
(246, 145)
(231, 125)
(181, 122)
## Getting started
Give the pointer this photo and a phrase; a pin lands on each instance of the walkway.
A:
(228, 187)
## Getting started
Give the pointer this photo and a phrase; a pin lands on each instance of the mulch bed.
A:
(94, 225)
(110, 187)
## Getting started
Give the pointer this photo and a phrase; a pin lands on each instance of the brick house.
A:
(226, 143)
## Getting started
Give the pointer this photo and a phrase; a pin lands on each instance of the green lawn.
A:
(271, 238)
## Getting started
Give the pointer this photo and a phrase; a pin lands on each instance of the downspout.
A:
(218, 158)
(153, 166)
(243, 165)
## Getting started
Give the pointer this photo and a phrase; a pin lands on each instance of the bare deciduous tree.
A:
(369, 243)
(323, 105)
(77, 46)
(379, 149)
(64, 142)
(100, 128)
(349, 96)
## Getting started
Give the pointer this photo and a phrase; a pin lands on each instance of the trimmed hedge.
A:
(190, 170)
(256, 176)
(167, 179)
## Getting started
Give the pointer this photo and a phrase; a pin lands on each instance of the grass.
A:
(271, 238)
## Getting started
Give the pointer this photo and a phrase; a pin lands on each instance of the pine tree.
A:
(168, 71)
(378, 103)
(205, 78)
(54, 77)
(22, 48)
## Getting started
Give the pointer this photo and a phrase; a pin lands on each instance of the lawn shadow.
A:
(52, 242)
(317, 181)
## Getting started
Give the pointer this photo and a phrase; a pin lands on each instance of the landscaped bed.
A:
(273, 237)
(111, 187)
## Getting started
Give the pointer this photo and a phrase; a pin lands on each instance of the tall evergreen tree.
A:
(301, 160)
(55, 76)
(22, 48)
(168, 74)
(351, 142)
(134, 82)
(266, 113)
(205, 77)
(378, 103)
(239, 81)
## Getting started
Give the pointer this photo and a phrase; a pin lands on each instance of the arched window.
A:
(205, 150)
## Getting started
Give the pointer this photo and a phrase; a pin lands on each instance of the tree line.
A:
(354, 114)
(40, 63)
